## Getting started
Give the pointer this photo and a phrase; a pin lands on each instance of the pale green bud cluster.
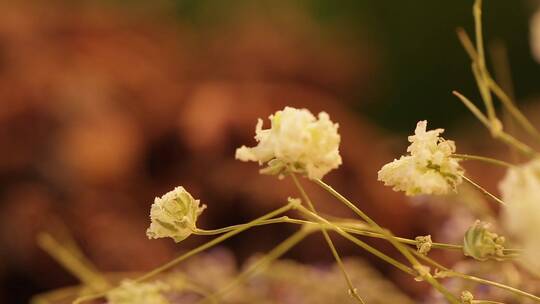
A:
(482, 244)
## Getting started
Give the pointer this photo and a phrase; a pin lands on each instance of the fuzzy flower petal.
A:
(429, 167)
(296, 140)
(174, 215)
(520, 189)
(130, 292)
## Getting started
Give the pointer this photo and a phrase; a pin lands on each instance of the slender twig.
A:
(501, 135)
(305, 196)
(485, 159)
(498, 200)
(390, 237)
(194, 251)
(281, 219)
(85, 273)
(481, 65)
(360, 243)
(476, 112)
(496, 89)
(513, 290)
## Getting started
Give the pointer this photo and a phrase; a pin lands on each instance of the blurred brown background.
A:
(105, 105)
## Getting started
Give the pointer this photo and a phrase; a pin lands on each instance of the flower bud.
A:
(174, 215)
(482, 244)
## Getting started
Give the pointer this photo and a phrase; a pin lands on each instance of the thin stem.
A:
(371, 222)
(512, 141)
(498, 200)
(275, 253)
(400, 239)
(481, 64)
(56, 296)
(512, 108)
(400, 247)
(501, 135)
(195, 251)
(496, 89)
(451, 273)
(282, 219)
(352, 290)
(476, 112)
(485, 159)
(466, 43)
(492, 283)
(87, 275)
(358, 242)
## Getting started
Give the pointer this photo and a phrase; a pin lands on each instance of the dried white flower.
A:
(296, 141)
(174, 215)
(130, 292)
(520, 190)
(429, 167)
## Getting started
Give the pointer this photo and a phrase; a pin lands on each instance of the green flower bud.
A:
(482, 244)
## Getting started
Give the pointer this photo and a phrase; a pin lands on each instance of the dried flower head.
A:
(429, 167)
(520, 190)
(297, 141)
(130, 292)
(423, 244)
(482, 244)
(466, 297)
(174, 215)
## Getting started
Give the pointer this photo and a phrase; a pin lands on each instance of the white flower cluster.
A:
(296, 141)
(174, 215)
(428, 169)
(520, 190)
(130, 292)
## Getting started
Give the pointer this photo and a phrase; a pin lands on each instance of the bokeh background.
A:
(107, 104)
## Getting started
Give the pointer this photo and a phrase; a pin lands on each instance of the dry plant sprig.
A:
(300, 143)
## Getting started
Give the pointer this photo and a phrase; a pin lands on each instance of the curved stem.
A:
(489, 160)
(195, 251)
